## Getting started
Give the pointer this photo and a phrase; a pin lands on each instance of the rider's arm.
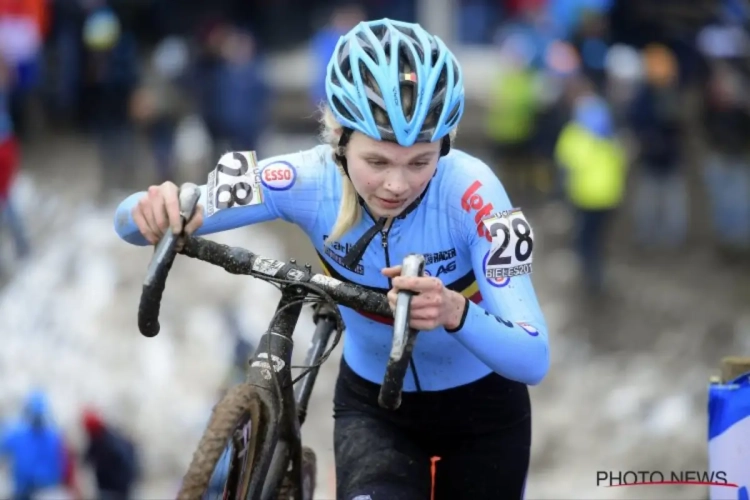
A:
(297, 204)
(492, 331)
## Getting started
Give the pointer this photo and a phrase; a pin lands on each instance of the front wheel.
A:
(288, 489)
(233, 435)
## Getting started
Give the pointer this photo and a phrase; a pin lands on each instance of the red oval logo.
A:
(278, 176)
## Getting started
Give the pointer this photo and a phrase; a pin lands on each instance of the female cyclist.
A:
(387, 173)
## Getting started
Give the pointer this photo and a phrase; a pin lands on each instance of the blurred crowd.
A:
(579, 86)
(190, 81)
(44, 465)
(594, 103)
(589, 118)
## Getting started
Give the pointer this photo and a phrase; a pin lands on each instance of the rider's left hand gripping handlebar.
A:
(403, 338)
(161, 263)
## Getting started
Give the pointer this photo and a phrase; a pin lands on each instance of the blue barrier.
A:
(729, 436)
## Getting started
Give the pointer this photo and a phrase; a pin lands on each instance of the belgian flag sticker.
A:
(409, 77)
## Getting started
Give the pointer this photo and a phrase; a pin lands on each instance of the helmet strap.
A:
(346, 134)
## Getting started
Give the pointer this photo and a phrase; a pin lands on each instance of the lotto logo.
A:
(471, 200)
(278, 176)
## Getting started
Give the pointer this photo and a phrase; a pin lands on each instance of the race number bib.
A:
(512, 244)
(235, 181)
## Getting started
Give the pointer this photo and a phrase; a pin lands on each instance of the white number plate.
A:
(512, 244)
(234, 182)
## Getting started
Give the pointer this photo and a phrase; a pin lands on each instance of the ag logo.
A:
(499, 282)
(499, 319)
(448, 268)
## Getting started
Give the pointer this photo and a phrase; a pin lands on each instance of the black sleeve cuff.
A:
(463, 318)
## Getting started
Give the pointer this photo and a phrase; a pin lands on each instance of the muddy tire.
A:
(240, 405)
(309, 474)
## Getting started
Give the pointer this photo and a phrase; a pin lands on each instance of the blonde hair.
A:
(350, 210)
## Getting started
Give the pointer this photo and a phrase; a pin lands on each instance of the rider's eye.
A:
(417, 165)
(377, 163)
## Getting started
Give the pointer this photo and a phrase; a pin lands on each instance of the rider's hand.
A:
(159, 210)
(433, 306)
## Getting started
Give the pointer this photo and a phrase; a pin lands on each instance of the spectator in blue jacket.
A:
(242, 96)
(34, 446)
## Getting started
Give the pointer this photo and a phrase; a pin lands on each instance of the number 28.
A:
(522, 231)
(234, 190)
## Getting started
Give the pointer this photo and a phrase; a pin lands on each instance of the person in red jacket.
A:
(113, 457)
(9, 160)
(8, 167)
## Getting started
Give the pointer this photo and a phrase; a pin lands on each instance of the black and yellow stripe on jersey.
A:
(465, 285)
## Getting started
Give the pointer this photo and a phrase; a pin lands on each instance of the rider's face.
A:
(389, 176)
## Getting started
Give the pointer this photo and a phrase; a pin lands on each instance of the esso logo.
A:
(499, 282)
(278, 176)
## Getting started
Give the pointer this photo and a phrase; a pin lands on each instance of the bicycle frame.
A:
(283, 411)
(286, 412)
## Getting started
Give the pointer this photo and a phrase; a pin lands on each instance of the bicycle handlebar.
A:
(243, 262)
(240, 261)
(161, 263)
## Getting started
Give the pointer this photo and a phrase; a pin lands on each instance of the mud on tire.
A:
(240, 405)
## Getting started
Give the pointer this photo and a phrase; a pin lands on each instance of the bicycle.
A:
(261, 418)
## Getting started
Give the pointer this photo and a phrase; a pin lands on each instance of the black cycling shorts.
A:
(481, 433)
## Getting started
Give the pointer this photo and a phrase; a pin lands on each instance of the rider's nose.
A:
(395, 183)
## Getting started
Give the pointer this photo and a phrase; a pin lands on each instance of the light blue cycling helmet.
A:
(393, 81)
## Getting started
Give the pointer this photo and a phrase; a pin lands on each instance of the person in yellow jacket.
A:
(511, 114)
(594, 170)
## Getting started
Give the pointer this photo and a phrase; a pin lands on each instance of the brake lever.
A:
(413, 265)
(188, 198)
(403, 339)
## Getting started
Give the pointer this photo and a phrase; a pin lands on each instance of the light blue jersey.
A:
(503, 330)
